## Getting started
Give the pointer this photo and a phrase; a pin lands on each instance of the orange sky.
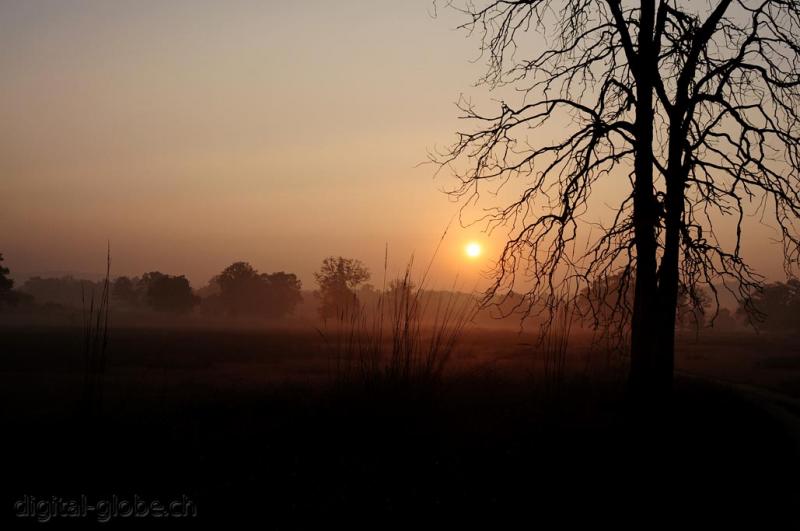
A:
(192, 134)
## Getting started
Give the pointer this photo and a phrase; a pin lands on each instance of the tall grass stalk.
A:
(95, 319)
(555, 345)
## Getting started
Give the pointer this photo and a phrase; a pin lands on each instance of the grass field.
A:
(254, 424)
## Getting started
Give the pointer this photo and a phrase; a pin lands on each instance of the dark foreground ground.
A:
(251, 426)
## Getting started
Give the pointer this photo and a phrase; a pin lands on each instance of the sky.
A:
(192, 134)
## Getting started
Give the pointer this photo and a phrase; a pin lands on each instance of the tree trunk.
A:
(668, 280)
(645, 217)
(668, 272)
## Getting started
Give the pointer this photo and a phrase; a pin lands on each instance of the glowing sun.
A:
(473, 249)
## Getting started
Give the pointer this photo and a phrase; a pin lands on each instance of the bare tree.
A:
(691, 109)
(338, 279)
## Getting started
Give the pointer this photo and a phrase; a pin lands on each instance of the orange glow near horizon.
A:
(191, 135)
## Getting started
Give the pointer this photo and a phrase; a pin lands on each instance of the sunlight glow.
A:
(473, 249)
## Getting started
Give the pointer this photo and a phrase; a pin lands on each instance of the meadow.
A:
(261, 424)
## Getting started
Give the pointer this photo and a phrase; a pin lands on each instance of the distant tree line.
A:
(606, 303)
(240, 290)
(777, 308)
(155, 290)
(777, 305)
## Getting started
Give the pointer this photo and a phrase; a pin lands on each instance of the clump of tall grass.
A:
(402, 341)
(605, 355)
(95, 325)
(555, 345)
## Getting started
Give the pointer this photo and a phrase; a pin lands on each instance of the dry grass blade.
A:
(96, 320)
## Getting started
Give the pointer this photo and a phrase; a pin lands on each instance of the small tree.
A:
(245, 291)
(240, 290)
(284, 293)
(124, 289)
(338, 279)
(5, 283)
(167, 293)
(64, 291)
(9, 297)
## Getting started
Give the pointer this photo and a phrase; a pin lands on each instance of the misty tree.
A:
(338, 279)
(6, 284)
(690, 108)
(125, 290)
(168, 293)
(64, 290)
(777, 307)
(245, 291)
(604, 306)
(7, 295)
(400, 289)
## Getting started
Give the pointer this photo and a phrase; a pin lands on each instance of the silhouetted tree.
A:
(338, 279)
(66, 291)
(400, 287)
(693, 314)
(605, 305)
(8, 296)
(400, 294)
(777, 305)
(245, 291)
(239, 288)
(284, 294)
(608, 302)
(367, 294)
(6, 284)
(126, 290)
(693, 108)
(167, 293)
(725, 321)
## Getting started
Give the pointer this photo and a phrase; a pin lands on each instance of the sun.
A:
(473, 249)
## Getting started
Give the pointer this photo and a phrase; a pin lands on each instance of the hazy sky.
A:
(193, 133)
